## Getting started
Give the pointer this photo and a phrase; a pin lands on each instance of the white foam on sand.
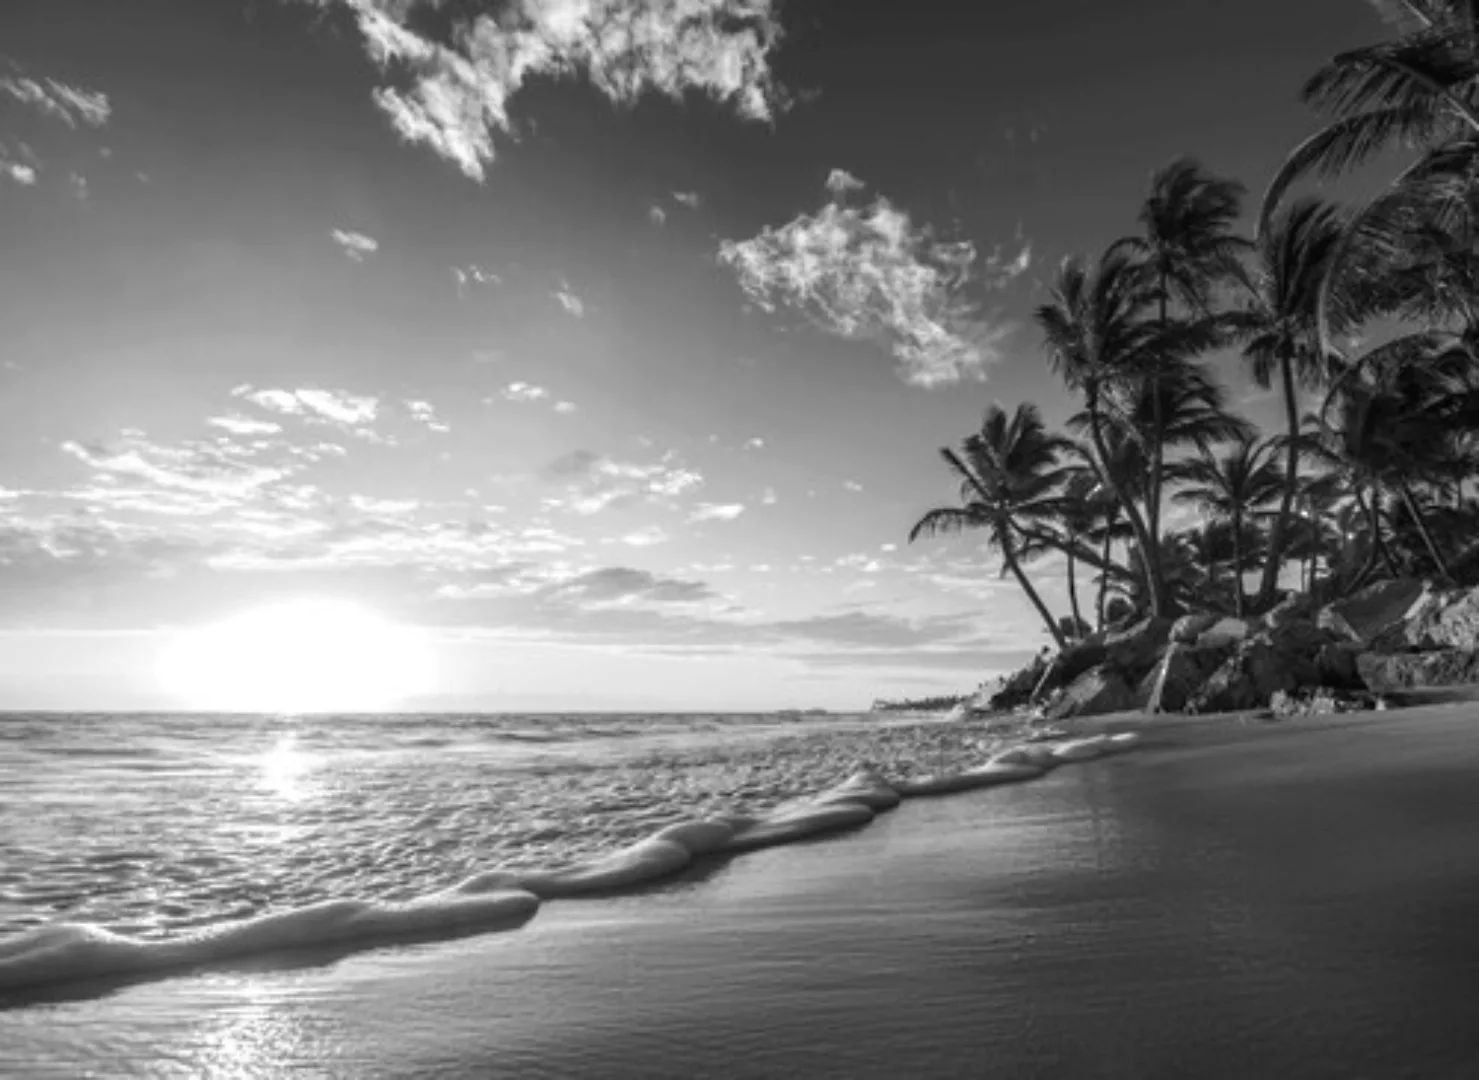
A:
(501, 899)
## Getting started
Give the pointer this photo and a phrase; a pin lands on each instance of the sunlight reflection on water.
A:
(284, 768)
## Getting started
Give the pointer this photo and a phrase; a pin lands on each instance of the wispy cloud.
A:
(524, 392)
(650, 536)
(357, 246)
(218, 468)
(657, 215)
(72, 105)
(455, 96)
(468, 276)
(768, 497)
(852, 485)
(690, 199)
(869, 273)
(717, 511)
(423, 413)
(595, 483)
(756, 443)
(237, 424)
(573, 304)
(565, 408)
(353, 414)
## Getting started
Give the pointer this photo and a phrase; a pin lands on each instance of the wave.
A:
(503, 899)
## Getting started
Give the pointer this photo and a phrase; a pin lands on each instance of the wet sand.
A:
(1227, 901)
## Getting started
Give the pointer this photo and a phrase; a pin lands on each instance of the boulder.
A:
(1251, 676)
(1186, 630)
(1299, 636)
(1367, 614)
(1227, 631)
(1444, 620)
(1135, 650)
(1093, 693)
(1384, 672)
(1181, 674)
(1295, 607)
(1336, 664)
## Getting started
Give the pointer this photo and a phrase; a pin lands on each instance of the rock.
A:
(1188, 628)
(1093, 693)
(1181, 674)
(1444, 620)
(1384, 672)
(1336, 664)
(1134, 651)
(1251, 676)
(1225, 632)
(1365, 615)
(1295, 607)
(1299, 636)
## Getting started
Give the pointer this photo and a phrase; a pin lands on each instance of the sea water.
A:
(138, 842)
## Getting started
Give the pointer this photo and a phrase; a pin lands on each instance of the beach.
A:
(1226, 900)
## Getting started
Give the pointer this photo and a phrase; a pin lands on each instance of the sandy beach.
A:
(1228, 900)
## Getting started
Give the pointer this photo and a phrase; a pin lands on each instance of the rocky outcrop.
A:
(1181, 674)
(1093, 693)
(1366, 615)
(1254, 673)
(1383, 673)
(1188, 628)
(1226, 631)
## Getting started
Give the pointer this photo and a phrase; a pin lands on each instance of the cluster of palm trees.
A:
(1363, 321)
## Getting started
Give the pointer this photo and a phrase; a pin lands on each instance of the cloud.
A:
(870, 274)
(690, 199)
(70, 104)
(23, 175)
(524, 392)
(244, 425)
(840, 181)
(852, 485)
(455, 95)
(657, 215)
(473, 275)
(768, 497)
(423, 413)
(219, 468)
(756, 443)
(565, 408)
(595, 483)
(569, 301)
(337, 407)
(356, 245)
(717, 512)
(621, 583)
(651, 536)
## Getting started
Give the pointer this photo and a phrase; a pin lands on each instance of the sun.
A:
(309, 655)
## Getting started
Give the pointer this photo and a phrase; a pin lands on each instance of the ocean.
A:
(157, 827)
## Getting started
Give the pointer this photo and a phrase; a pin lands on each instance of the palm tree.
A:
(1279, 337)
(1230, 487)
(1009, 476)
(1188, 244)
(1097, 336)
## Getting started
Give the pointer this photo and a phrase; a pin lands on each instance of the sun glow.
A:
(299, 656)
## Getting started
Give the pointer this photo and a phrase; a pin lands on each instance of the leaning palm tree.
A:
(1097, 336)
(1009, 477)
(1188, 244)
(1279, 337)
(1231, 487)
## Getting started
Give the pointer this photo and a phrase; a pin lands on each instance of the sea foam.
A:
(503, 899)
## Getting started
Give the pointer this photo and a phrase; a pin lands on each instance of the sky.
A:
(608, 345)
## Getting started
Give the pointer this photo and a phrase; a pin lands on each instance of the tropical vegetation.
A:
(1361, 321)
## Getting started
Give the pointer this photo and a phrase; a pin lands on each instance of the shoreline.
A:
(1227, 901)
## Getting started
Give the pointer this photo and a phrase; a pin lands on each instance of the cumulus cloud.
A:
(23, 175)
(356, 245)
(690, 199)
(717, 511)
(768, 497)
(569, 301)
(237, 424)
(840, 181)
(72, 105)
(870, 274)
(651, 536)
(756, 443)
(454, 94)
(595, 483)
(565, 408)
(657, 215)
(468, 276)
(852, 485)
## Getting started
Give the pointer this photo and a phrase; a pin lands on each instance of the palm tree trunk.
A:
(1240, 600)
(1275, 559)
(1104, 574)
(1010, 555)
(1158, 443)
(1422, 528)
(1132, 512)
(1078, 618)
(1379, 547)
